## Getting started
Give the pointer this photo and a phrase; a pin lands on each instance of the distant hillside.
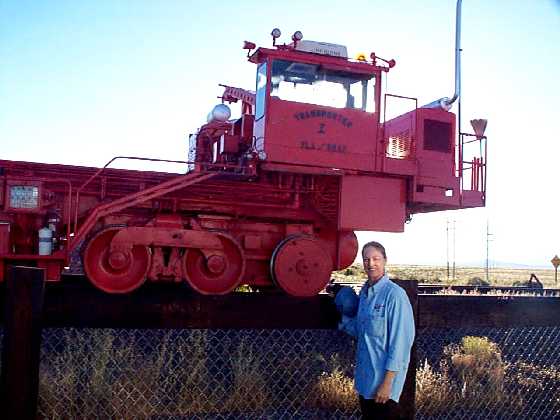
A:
(505, 264)
(503, 276)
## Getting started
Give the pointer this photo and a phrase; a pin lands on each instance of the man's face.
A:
(374, 263)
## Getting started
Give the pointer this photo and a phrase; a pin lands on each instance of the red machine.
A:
(270, 199)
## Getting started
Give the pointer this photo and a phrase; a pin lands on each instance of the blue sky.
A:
(83, 81)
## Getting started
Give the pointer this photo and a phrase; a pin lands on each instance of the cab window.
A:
(311, 83)
(261, 91)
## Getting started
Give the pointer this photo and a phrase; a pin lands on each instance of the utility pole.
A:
(488, 234)
(447, 245)
(454, 236)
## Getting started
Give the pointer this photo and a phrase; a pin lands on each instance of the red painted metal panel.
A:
(4, 237)
(320, 136)
(373, 203)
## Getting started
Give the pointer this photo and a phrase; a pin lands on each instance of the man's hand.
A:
(383, 392)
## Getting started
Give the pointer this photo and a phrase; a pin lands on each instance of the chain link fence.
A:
(196, 374)
(283, 374)
(465, 373)
(490, 373)
(276, 374)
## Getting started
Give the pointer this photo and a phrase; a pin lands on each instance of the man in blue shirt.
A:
(384, 327)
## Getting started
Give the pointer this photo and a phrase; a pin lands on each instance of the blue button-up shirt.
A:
(384, 327)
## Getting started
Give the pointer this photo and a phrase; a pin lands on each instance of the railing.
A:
(400, 144)
(472, 163)
(102, 169)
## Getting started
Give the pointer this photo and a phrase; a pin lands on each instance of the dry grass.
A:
(463, 275)
(434, 388)
(250, 391)
(97, 375)
(335, 389)
(472, 375)
(95, 378)
(477, 363)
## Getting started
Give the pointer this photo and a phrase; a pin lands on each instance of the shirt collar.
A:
(377, 286)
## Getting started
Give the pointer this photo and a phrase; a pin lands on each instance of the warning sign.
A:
(555, 261)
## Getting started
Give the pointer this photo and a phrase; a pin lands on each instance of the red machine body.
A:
(271, 198)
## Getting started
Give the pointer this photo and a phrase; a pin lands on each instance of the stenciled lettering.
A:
(324, 147)
(320, 113)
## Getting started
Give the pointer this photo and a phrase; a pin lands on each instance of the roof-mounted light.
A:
(391, 63)
(361, 57)
(297, 36)
(247, 45)
(275, 35)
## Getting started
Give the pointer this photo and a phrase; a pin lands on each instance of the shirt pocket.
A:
(376, 327)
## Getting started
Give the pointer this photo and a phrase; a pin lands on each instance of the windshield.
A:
(261, 91)
(311, 83)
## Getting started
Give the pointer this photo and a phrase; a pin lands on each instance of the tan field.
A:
(463, 275)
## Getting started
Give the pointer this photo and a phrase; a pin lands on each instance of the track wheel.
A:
(301, 266)
(116, 272)
(215, 272)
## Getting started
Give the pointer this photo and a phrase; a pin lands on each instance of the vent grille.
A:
(399, 145)
(437, 136)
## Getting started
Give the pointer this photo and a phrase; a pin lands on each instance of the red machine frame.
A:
(271, 198)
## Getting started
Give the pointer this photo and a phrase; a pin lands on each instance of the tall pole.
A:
(487, 251)
(447, 245)
(454, 236)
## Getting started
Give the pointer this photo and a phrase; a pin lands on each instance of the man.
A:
(384, 327)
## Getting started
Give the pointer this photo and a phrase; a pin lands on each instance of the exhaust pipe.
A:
(446, 103)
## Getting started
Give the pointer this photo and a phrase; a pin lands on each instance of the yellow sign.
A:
(555, 261)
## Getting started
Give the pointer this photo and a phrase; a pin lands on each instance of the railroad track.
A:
(426, 289)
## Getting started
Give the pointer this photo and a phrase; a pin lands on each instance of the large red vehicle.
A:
(271, 198)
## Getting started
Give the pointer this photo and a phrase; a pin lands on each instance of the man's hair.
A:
(375, 245)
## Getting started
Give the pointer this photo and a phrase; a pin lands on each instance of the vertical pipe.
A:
(446, 101)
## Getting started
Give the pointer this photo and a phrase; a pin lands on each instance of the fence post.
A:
(408, 397)
(22, 342)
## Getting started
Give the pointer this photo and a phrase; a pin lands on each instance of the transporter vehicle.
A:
(270, 199)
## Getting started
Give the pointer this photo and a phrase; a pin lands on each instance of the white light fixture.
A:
(297, 36)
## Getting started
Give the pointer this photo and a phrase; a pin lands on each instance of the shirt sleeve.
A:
(400, 331)
(348, 325)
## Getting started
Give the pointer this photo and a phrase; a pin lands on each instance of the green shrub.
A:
(353, 270)
(478, 367)
(477, 281)
(521, 283)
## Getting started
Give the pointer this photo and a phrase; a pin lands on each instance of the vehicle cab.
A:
(314, 106)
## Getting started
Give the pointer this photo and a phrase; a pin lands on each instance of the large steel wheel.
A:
(301, 266)
(215, 272)
(115, 272)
